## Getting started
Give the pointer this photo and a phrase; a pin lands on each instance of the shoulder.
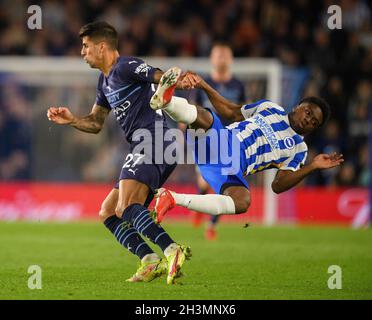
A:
(266, 104)
(296, 153)
(255, 104)
(126, 63)
(272, 105)
(132, 60)
(272, 108)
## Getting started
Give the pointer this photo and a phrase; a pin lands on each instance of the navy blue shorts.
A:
(214, 168)
(141, 167)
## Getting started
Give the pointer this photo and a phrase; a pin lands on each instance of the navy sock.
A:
(139, 217)
(127, 236)
(214, 219)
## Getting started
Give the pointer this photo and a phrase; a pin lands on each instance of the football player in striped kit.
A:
(230, 87)
(262, 136)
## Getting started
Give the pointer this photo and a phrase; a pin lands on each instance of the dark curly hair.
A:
(322, 104)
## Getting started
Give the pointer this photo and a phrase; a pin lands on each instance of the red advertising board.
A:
(56, 201)
(324, 206)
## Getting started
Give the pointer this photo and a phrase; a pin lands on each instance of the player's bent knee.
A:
(104, 214)
(245, 202)
(119, 210)
(204, 119)
(241, 197)
(242, 204)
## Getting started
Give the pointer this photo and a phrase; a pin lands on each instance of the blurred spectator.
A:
(331, 140)
(358, 115)
(346, 176)
(363, 169)
(356, 15)
(334, 94)
(109, 160)
(15, 133)
(320, 53)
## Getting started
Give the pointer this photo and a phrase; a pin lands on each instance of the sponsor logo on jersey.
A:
(143, 68)
(267, 130)
(120, 111)
(289, 142)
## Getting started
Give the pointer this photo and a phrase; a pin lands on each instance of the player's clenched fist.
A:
(60, 115)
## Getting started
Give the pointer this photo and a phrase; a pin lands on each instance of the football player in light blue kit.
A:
(266, 137)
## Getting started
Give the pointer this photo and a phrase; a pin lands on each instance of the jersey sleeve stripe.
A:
(277, 111)
(297, 160)
(271, 111)
(298, 139)
(253, 105)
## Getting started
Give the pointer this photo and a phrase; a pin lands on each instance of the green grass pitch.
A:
(84, 261)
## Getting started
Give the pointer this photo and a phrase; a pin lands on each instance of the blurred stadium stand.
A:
(334, 64)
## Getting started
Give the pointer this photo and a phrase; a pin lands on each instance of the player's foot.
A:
(175, 262)
(164, 202)
(148, 271)
(211, 233)
(197, 219)
(166, 87)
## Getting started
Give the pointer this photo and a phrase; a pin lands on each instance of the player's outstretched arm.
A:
(225, 108)
(286, 179)
(92, 123)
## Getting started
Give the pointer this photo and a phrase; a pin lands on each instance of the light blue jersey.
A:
(267, 140)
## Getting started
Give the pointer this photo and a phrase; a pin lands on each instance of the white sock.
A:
(181, 111)
(170, 249)
(150, 257)
(213, 204)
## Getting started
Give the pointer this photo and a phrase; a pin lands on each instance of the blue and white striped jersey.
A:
(267, 140)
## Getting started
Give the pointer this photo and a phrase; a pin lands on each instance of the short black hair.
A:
(100, 30)
(322, 104)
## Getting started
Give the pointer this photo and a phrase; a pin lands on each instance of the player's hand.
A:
(196, 80)
(60, 115)
(327, 161)
(189, 80)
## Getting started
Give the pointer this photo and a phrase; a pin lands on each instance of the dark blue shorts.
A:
(142, 168)
(214, 168)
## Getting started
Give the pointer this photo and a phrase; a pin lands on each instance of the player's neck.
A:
(221, 76)
(109, 61)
